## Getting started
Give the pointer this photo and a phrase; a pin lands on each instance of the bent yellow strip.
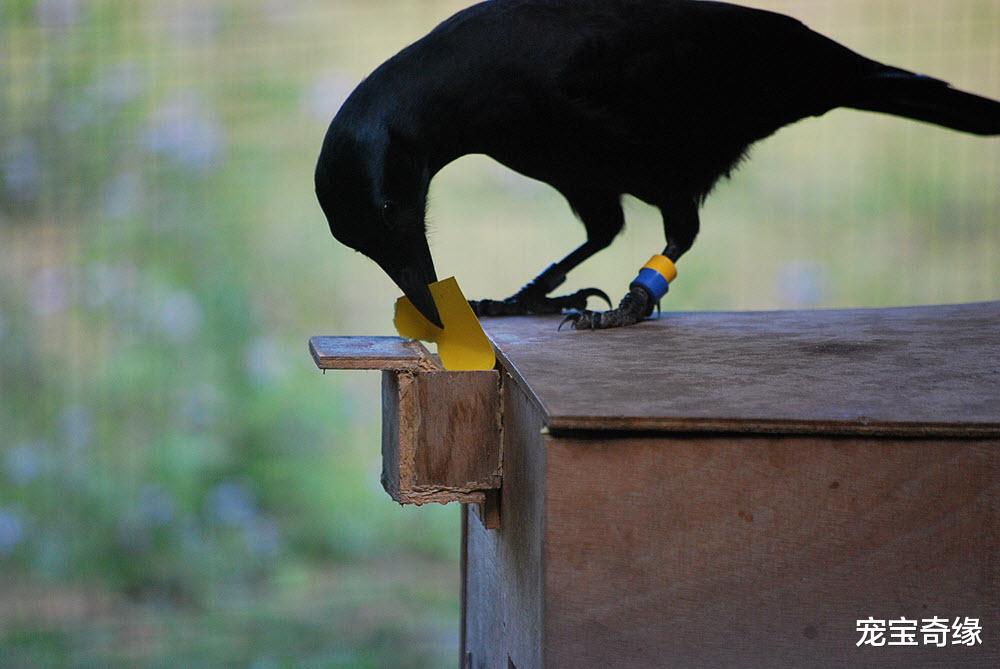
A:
(462, 344)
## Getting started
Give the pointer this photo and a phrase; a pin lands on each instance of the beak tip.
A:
(424, 302)
(434, 317)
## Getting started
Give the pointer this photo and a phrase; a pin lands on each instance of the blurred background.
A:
(178, 485)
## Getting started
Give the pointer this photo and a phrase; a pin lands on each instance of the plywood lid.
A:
(906, 371)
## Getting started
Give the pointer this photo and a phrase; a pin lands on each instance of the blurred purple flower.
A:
(156, 506)
(802, 284)
(11, 531)
(199, 407)
(186, 132)
(232, 503)
(324, 97)
(58, 13)
(113, 87)
(265, 360)
(109, 283)
(122, 195)
(76, 426)
(48, 292)
(263, 537)
(119, 83)
(74, 114)
(23, 463)
(179, 315)
(21, 170)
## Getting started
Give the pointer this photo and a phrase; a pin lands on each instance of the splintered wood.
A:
(440, 429)
(440, 436)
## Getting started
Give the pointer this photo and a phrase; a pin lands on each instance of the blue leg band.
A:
(652, 281)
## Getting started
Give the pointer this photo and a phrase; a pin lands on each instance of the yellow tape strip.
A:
(462, 344)
(664, 265)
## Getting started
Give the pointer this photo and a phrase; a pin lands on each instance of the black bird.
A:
(598, 98)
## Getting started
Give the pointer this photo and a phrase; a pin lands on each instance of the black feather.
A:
(930, 100)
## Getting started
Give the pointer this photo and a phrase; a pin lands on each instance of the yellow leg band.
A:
(664, 266)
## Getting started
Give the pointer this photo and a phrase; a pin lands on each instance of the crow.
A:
(658, 99)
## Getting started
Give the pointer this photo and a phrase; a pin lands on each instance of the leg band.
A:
(655, 276)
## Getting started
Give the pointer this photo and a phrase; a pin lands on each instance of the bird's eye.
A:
(390, 212)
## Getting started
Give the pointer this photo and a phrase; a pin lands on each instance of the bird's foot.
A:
(634, 307)
(528, 301)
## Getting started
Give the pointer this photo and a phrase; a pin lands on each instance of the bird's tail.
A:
(915, 96)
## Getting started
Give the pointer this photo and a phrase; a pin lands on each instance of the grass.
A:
(372, 615)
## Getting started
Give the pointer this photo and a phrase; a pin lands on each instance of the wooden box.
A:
(738, 490)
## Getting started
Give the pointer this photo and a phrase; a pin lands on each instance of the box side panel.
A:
(765, 552)
(390, 434)
(458, 444)
(503, 603)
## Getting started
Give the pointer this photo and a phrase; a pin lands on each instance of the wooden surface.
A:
(759, 551)
(370, 353)
(910, 371)
(459, 435)
(440, 436)
(502, 581)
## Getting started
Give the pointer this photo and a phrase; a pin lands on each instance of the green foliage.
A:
(165, 439)
(167, 449)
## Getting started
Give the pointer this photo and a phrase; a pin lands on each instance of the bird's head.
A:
(372, 186)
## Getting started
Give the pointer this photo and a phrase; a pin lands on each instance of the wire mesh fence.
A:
(177, 486)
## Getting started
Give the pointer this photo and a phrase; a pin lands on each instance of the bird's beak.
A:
(413, 278)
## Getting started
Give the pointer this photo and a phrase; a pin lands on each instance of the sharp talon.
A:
(597, 292)
(527, 302)
(575, 316)
(658, 310)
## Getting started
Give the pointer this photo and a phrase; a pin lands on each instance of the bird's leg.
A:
(637, 305)
(533, 298)
(646, 290)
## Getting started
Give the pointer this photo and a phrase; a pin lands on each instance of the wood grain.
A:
(393, 353)
(919, 371)
(503, 602)
(440, 436)
(488, 513)
(763, 552)
(458, 439)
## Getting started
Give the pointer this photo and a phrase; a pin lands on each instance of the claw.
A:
(632, 309)
(575, 316)
(595, 292)
(525, 303)
(583, 320)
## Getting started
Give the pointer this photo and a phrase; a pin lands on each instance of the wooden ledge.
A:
(384, 353)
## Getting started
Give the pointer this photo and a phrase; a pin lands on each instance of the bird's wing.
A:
(642, 70)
